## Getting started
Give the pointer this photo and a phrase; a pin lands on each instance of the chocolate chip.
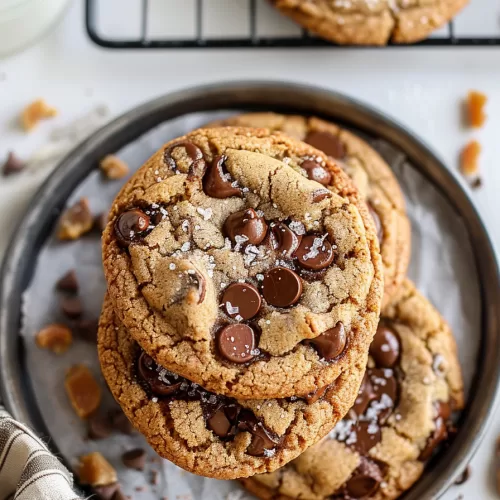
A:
(12, 165)
(72, 307)
(219, 423)
(217, 182)
(237, 343)
(247, 225)
(331, 343)
(261, 438)
(314, 252)
(283, 240)
(365, 396)
(464, 477)
(99, 426)
(68, 282)
(241, 300)
(129, 225)
(440, 433)
(120, 422)
(316, 172)
(160, 381)
(377, 222)
(317, 394)
(320, 195)
(281, 287)
(365, 480)
(134, 459)
(385, 348)
(101, 221)
(328, 143)
(197, 167)
(107, 492)
(86, 329)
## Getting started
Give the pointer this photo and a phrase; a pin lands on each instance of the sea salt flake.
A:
(206, 213)
(185, 226)
(172, 266)
(232, 309)
(185, 246)
(297, 227)
(269, 453)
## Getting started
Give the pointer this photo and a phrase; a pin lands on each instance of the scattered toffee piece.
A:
(328, 143)
(68, 282)
(130, 226)
(440, 433)
(86, 329)
(12, 165)
(317, 394)
(134, 459)
(314, 252)
(160, 381)
(241, 300)
(236, 343)
(385, 348)
(246, 224)
(316, 172)
(120, 422)
(261, 440)
(283, 240)
(281, 287)
(99, 427)
(331, 343)
(217, 182)
(377, 222)
(107, 492)
(72, 307)
(365, 480)
(464, 476)
(197, 167)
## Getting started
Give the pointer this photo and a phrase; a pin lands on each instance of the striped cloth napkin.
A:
(28, 470)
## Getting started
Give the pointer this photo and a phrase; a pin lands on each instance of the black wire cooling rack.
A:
(142, 38)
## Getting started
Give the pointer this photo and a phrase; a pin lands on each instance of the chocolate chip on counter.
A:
(316, 172)
(262, 442)
(331, 343)
(129, 225)
(86, 329)
(247, 225)
(68, 282)
(72, 307)
(317, 394)
(236, 343)
(134, 459)
(99, 426)
(217, 182)
(194, 153)
(13, 164)
(100, 222)
(314, 252)
(378, 224)
(119, 495)
(107, 492)
(283, 240)
(385, 348)
(241, 301)
(464, 476)
(160, 381)
(281, 287)
(365, 480)
(155, 477)
(219, 423)
(328, 143)
(120, 422)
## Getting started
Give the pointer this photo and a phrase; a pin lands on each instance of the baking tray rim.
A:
(49, 200)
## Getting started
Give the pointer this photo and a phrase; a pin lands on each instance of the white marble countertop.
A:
(421, 88)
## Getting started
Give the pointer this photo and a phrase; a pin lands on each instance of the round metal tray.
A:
(43, 212)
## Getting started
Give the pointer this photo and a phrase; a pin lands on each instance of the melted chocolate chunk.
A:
(317, 394)
(377, 222)
(440, 433)
(368, 434)
(316, 172)
(236, 343)
(247, 225)
(365, 480)
(320, 195)
(314, 252)
(283, 240)
(281, 287)
(328, 143)
(385, 348)
(224, 416)
(217, 182)
(197, 167)
(331, 343)
(241, 301)
(130, 226)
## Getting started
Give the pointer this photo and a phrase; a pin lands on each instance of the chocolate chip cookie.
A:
(371, 174)
(370, 22)
(206, 433)
(401, 415)
(234, 270)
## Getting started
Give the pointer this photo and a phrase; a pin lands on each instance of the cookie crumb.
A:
(475, 104)
(75, 221)
(34, 112)
(113, 168)
(57, 338)
(13, 164)
(83, 391)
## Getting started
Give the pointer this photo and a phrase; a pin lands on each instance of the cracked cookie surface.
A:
(232, 269)
(371, 22)
(371, 175)
(209, 434)
(401, 415)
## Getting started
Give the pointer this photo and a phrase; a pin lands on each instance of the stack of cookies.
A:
(245, 285)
